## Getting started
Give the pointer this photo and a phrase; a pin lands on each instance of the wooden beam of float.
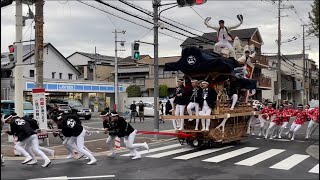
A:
(218, 116)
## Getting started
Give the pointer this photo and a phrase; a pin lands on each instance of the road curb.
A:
(313, 150)
(103, 153)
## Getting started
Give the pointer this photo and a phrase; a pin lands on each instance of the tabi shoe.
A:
(70, 156)
(279, 137)
(203, 129)
(32, 162)
(46, 163)
(271, 137)
(292, 139)
(181, 129)
(93, 161)
(146, 145)
(196, 129)
(28, 159)
(137, 157)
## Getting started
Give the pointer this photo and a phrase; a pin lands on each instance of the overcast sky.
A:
(71, 26)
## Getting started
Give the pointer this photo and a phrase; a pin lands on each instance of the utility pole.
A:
(156, 4)
(279, 54)
(94, 64)
(39, 43)
(18, 72)
(304, 94)
(116, 89)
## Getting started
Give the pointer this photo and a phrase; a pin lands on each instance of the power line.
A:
(125, 19)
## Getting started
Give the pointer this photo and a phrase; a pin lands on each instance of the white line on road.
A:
(157, 149)
(260, 157)
(290, 162)
(168, 153)
(200, 153)
(70, 178)
(315, 169)
(231, 154)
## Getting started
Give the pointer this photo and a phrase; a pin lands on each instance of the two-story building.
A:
(292, 82)
(247, 37)
(61, 79)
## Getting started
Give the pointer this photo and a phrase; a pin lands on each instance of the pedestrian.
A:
(71, 123)
(26, 136)
(125, 130)
(107, 108)
(180, 103)
(302, 116)
(208, 102)
(141, 110)
(110, 129)
(288, 111)
(133, 108)
(194, 101)
(313, 124)
(279, 114)
(161, 108)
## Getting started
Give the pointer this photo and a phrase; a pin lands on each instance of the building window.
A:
(53, 74)
(60, 75)
(31, 73)
(70, 76)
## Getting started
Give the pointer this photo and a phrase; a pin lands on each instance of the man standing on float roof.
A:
(223, 34)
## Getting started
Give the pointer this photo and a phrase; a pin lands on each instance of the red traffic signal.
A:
(11, 49)
(183, 3)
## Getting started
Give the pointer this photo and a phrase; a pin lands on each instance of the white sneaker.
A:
(93, 161)
(207, 129)
(146, 145)
(260, 134)
(271, 137)
(46, 163)
(292, 139)
(252, 134)
(70, 156)
(180, 129)
(231, 109)
(28, 159)
(289, 135)
(196, 129)
(190, 119)
(279, 137)
(137, 157)
(32, 162)
(86, 158)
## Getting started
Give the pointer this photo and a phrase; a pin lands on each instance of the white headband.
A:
(113, 115)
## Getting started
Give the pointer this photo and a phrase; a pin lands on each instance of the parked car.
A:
(8, 106)
(62, 108)
(76, 107)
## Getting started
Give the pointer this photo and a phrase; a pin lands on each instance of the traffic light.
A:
(135, 51)
(183, 3)
(12, 53)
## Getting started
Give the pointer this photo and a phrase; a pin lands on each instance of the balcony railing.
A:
(261, 60)
(263, 82)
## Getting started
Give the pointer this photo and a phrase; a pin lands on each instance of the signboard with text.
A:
(39, 107)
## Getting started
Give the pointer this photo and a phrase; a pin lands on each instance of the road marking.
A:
(290, 162)
(156, 149)
(168, 153)
(200, 153)
(260, 157)
(315, 169)
(284, 140)
(70, 178)
(231, 154)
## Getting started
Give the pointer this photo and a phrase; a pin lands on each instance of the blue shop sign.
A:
(63, 87)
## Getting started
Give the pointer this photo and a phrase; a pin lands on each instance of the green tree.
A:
(163, 91)
(133, 91)
(314, 18)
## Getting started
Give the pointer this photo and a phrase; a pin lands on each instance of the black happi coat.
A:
(211, 97)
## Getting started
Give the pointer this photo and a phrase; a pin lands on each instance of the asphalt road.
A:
(252, 159)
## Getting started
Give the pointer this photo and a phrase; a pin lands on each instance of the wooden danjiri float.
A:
(216, 68)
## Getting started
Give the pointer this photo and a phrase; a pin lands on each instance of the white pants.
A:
(179, 112)
(111, 142)
(225, 44)
(71, 146)
(311, 128)
(234, 98)
(252, 123)
(294, 128)
(284, 126)
(129, 143)
(270, 128)
(79, 140)
(264, 124)
(30, 142)
(207, 111)
(190, 106)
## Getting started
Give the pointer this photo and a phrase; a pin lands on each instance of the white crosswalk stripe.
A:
(157, 149)
(231, 154)
(290, 162)
(200, 153)
(168, 153)
(315, 169)
(260, 157)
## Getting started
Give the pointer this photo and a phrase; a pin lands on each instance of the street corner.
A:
(313, 150)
